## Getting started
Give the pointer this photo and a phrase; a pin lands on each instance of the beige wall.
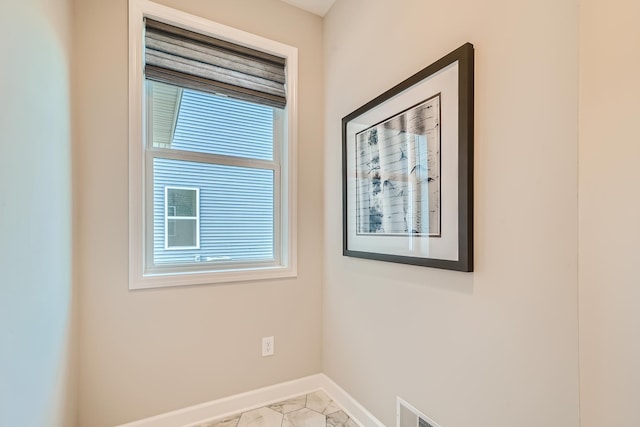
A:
(498, 347)
(36, 295)
(609, 213)
(151, 351)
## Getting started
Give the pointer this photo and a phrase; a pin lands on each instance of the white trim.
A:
(351, 406)
(136, 151)
(160, 280)
(287, 267)
(214, 159)
(257, 398)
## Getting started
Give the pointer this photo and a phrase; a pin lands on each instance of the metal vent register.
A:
(409, 416)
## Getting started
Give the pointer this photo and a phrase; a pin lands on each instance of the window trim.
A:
(175, 217)
(138, 164)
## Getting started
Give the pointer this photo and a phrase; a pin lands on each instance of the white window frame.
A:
(140, 275)
(167, 217)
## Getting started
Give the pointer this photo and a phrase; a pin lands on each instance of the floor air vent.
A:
(408, 416)
(423, 423)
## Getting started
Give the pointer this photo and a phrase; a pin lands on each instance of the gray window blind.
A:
(195, 61)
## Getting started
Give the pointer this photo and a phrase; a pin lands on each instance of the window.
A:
(181, 218)
(212, 152)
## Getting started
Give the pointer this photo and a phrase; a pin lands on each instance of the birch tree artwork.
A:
(398, 173)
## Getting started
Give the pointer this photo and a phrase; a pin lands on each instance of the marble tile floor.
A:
(311, 410)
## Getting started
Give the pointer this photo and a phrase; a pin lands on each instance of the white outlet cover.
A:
(267, 346)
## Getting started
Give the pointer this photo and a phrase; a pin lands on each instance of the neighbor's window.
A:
(214, 171)
(181, 218)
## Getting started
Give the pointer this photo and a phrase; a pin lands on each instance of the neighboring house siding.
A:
(218, 125)
(236, 203)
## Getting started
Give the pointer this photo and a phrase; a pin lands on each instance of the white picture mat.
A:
(445, 247)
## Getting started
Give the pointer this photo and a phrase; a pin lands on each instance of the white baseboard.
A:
(231, 405)
(351, 406)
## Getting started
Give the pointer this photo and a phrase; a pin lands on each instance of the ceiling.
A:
(319, 7)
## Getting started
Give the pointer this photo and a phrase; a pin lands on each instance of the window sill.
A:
(150, 281)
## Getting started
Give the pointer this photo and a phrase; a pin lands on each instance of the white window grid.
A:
(167, 217)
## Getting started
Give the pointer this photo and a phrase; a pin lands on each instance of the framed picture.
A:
(407, 164)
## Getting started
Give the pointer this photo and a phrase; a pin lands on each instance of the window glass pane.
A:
(181, 232)
(181, 202)
(236, 212)
(189, 120)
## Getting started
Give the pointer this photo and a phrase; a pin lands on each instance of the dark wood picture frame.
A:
(384, 114)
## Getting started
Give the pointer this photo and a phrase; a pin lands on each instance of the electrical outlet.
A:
(267, 346)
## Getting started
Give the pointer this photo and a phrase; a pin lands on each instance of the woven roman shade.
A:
(195, 61)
